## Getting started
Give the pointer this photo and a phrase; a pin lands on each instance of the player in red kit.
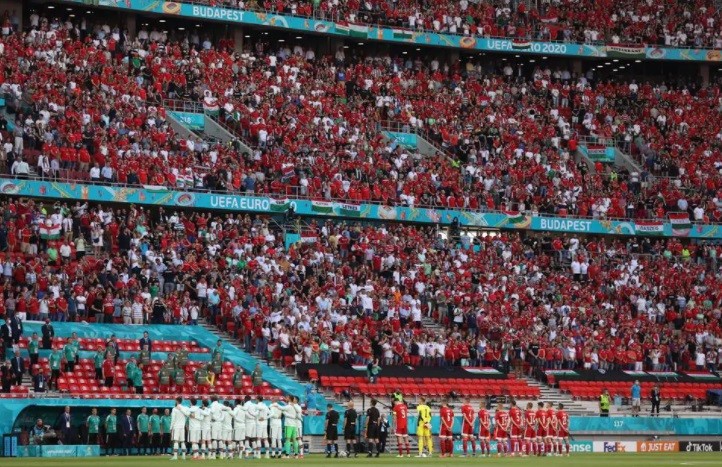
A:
(516, 425)
(401, 426)
(484, 429)
(542, 429)
(563, 429)
(446, 432)
(552, 431)
(467, 426)
(529, 443)
(501, 430)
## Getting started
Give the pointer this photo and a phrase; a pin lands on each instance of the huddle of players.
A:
(544, 431)
(215, 429)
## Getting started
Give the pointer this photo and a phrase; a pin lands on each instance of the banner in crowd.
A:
(375, 212)
(681, 225)
(406, 36)
(192, 121)
(402, 371)
(407, 140)
(602, 154)
(630, 375)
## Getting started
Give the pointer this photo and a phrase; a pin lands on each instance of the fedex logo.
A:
(614, 447)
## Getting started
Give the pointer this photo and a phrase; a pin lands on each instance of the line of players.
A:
(539, 432)
(250, 427)
(516, 431)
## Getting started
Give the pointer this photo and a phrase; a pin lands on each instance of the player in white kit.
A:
(276, 429)
(178, 417)
(299, 425)
(216, 426)
(206, 429)
(239, 428)
(195, 419)
(227, 431)
(251, 411)
(263, 413)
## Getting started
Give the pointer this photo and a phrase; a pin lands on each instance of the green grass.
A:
(582, 460)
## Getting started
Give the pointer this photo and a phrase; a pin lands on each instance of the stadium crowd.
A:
(677, 23)
(358, 293)
(90, 105)
(507, 141)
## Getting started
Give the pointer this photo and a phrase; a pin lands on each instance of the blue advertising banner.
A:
(261, 204)
(675, 426)
(602, 154)
(406, 36)
(192, 121)
(407, 140)
(59, 450)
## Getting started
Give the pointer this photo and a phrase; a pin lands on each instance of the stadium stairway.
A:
(555, 396)
(287, 373)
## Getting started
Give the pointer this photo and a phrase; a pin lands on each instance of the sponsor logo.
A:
(657, 446)
(614, 446)
(700, 446)
(581, 446)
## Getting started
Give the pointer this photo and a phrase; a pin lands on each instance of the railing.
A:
(183, 105)
(336, 17)
(292, 193)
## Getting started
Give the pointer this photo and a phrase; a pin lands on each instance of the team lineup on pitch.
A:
(249, 429)
(211, 429)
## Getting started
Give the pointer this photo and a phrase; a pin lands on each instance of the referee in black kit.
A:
(372, 428)
(331, 431)
(349, 429)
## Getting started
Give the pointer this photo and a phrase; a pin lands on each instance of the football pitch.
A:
(318, 460)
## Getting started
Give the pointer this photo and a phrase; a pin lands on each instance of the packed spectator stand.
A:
(506, 142)
(519, 303)
(361, 292)
(675, 23)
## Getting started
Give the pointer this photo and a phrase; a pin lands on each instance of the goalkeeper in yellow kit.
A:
(424, 428)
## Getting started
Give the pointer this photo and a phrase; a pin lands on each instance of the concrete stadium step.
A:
(288, 372)
(555, 396)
